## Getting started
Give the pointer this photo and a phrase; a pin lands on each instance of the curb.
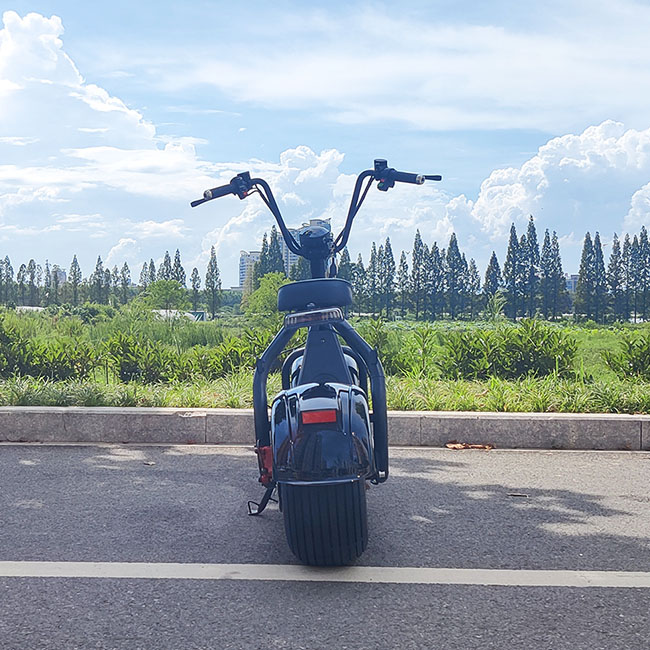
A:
(407, 428)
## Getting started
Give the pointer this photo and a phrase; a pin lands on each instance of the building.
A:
(571, 282)
(291, 258)
(246, 262)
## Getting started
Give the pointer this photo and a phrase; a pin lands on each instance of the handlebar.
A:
(242, 185)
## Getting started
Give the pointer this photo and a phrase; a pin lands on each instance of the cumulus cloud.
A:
(595, 180)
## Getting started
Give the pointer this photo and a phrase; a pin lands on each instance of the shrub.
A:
(633, 360)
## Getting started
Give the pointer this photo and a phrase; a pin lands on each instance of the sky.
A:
(114, 116)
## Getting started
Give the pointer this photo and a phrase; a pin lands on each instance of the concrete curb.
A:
(409, 428)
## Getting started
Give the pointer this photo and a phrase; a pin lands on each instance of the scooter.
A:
(321, 442)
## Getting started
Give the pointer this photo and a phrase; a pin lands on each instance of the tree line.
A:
(41, 286)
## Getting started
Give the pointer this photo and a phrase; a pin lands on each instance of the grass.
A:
(547, 395)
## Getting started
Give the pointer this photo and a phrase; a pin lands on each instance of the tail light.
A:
(319, 417)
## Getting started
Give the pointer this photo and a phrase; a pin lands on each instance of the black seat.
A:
(314, 294)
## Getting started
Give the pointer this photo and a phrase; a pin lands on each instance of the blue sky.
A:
(114, 115)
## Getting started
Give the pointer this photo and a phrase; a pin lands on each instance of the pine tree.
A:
(152, 271)
(600, 281)
(47, 284)
(418, 274)
(213, 284)
(195, 280)
(178, 272)
(275, 261)
(635, 273)
(627, 274)
(165, 269)
(55, 284)
(21, 276)
(387, 278)
(559, 293)
(261, 267)
(435, 281)
(75, 278)
(144, 276)
(372, 278)
(530, 260)
(359, 284)
(8, 280)
(616, 281)
(301, 270)
(31, 283)
(584, 301)
(344, 270)
(125, 281)
(454, 277)
(97, 282)
(493, 279)
(511, 274)
(473, 287)
(403, 283)
(546, 274)
(644, 273)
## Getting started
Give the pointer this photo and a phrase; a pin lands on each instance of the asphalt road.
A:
(545, 511)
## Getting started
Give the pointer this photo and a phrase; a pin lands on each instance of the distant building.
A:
(571, 282)
(246, 262)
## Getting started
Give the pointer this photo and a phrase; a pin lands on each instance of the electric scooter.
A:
(321, 442)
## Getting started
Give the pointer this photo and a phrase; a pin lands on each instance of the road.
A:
(560, 514)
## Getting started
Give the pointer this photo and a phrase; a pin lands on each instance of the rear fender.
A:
(331, 451)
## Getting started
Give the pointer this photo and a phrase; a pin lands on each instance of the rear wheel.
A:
(326, 525)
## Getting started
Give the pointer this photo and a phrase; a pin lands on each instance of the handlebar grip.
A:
(216, 192)
(406, 177)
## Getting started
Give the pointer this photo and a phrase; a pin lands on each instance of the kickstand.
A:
(260, 507)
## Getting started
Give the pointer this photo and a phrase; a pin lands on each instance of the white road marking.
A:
(358, 574)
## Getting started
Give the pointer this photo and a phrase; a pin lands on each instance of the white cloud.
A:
(171, 230)
(125, 249)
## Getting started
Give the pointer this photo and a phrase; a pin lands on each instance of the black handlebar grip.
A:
(216, 192)
(405, 177)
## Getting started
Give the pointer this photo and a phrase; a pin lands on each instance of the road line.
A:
(357, 574)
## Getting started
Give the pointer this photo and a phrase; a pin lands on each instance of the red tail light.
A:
(319, 417)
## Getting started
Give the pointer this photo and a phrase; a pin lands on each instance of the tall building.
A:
(291, 258)
(246, 262)
(571, 282)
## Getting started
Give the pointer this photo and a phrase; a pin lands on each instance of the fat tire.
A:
(326, 525)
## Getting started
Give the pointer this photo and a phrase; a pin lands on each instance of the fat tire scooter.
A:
(321, 442)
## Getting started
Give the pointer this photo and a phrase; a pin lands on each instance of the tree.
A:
(372, 278)
(493, 279)
(454, 276)
(213, 284)
(616, 280)
(530, 263)
(8, 280)
(584, 301)
(627, 274)
(418, 274)
(47, 283)
(344, 270)
(261, 267)
(511, 274)
(359, 284)
(403, 283)
(20, 279)
(264, 300)
(152, 271)
(31, 283)
(644, 273)
(275, 261)
(178, 272)
(559, 293)
(167, 295)
(635, 273)
(600, 281)
(387, 278)
(55, 283)
(546, 274)
(125, 281)
(435, 281)
(473, 287)
(195, 280)
(97, 282)
(75, 278)
(301, 270)
(165, 269)
(144, 281)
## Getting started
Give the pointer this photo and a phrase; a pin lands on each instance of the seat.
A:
(315, 294)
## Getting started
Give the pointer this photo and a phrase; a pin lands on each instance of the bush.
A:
(531, 348)
(633, 360)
